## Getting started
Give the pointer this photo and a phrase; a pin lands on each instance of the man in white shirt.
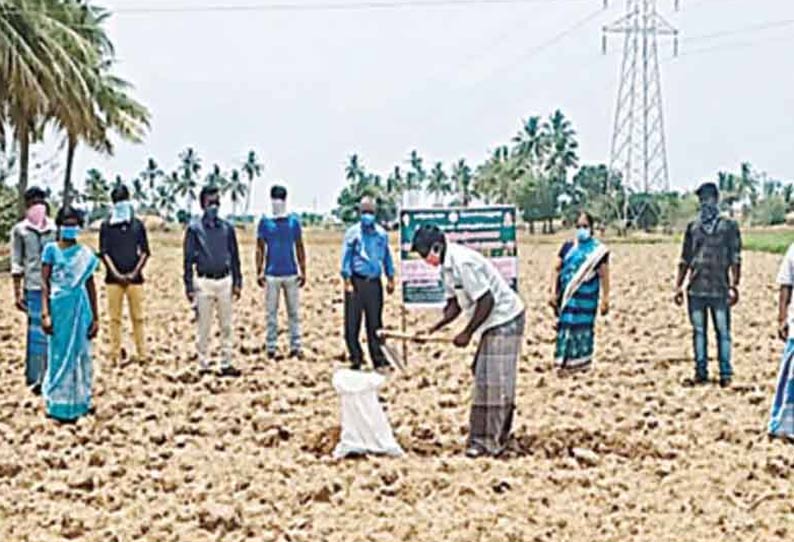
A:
(496, 318)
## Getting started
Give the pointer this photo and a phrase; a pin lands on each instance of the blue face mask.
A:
(70, 233)
(122, 212)
(583, 234)
(211, 212)
(367, 220)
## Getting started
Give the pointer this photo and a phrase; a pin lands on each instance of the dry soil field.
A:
(169, 457)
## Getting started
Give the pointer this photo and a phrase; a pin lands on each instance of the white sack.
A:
(365, 428)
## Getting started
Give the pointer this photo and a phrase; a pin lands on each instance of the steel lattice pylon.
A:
(638, 151)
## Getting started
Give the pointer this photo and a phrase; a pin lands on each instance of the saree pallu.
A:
(37, 342)
(580, 287)
(67, 383)
(494, 401)
(781, 419)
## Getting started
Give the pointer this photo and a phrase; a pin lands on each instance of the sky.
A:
(306, 88)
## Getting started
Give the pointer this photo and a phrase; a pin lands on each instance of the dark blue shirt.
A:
(280, 236)
(211, 246)
(366, 253)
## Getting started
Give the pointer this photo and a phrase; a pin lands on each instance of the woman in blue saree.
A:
(69, 316)
(581, 275)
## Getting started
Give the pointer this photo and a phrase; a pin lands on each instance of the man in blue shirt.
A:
(279, 241)
(211, 248)
(365, 257)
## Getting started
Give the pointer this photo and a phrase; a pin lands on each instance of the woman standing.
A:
(781, 419)
(69, 316)
(580, 275)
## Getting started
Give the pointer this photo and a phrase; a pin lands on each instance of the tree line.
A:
(539, 172)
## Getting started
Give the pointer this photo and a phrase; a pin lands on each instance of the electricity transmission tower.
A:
(639, 154)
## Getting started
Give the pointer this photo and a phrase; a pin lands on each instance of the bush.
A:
(769, 212)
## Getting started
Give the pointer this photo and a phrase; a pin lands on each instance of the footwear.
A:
(697, 381)
(36, 389)
(296, 354)
(204, 370)
(474, 453)
(725, 381)
(230, 371)
(356, 366)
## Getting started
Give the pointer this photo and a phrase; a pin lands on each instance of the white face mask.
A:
(279, 208)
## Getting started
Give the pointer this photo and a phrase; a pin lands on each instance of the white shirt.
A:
(785, 277)
(468, 276)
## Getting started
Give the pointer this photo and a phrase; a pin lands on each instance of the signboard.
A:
(489, 230)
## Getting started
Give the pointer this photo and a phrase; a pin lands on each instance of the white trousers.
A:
(214, 296)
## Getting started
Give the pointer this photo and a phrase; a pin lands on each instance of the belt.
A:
(366, 279)
(214, 276)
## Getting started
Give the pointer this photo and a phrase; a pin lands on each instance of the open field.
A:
(169, 457)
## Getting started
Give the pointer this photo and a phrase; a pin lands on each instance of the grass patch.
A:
(775, 242)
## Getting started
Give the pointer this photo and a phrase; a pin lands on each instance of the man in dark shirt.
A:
(124, 249)
(211, 248)
(711, 257)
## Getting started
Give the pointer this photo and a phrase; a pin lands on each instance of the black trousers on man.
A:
(367, 299)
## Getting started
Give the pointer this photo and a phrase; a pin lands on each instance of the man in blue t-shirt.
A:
(279, 243)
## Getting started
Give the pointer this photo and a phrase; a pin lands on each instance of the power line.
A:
(769, 25)
(350, 5)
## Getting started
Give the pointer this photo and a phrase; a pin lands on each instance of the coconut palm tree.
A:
(462, 179)
(253, 169)
(237, 189)
(438, 184)
(217, 179)
(353, 171)
(185, 186)
(395, 184)
(562, 151)
(140, 194)
(97, 190)
(45, 59)
(164, 201)
(152, 173)
(531, 144)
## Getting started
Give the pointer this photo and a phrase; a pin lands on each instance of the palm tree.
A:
(96, 190)
(394, 183)
(164, 201)
(531, 143)
(252, 168)
(140, 194)
(462, 179)
(438, 184)
(562, 147)
(152, 173)
(185, 186)
(237, 189)
(353, 171)
(217, 179)
(46, 60)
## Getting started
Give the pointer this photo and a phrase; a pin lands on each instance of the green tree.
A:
(462, 179)
(185, 187)
(438, 184)
(237, 190)
(152, 173)
(253, 169)
(531, 144)
(96, 192)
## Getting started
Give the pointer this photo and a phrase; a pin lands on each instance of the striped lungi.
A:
(495, 371)
(36, 354)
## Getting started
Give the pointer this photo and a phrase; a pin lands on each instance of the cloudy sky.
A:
(306, 88)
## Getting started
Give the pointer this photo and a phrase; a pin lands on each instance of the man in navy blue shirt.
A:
(211, 248)
(365, 257)
(278, 242)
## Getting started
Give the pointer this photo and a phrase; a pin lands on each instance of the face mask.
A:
(434, 257)
(368, 220)
(709, 211)
(583, 234)
(70, 233)
(122, 212)
(211, 211)
(279, 208)
(37, 215)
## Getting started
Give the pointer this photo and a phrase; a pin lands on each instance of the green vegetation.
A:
(776, 242)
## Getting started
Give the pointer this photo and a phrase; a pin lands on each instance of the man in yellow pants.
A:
(124, 248)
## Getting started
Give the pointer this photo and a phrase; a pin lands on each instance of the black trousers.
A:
(367, 299)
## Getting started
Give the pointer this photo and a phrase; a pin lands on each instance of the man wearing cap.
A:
(711, 259)
(281, 265)
(28, 239)
(365, 258)
(495, 318)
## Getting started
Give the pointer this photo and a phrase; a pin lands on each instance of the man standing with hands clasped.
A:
(211, 247)
(711, 257)
(279, 244)
(365, 257)
(124, 249)
(496, 318)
